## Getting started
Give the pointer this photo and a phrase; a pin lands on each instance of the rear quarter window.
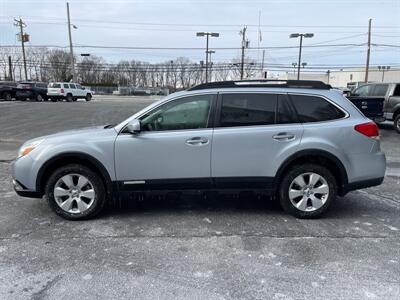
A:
(315, 109)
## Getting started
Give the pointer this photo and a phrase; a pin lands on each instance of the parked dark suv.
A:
(7, 90)
(32, 90)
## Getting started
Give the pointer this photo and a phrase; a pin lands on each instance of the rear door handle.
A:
(197, 141)
(283, 136)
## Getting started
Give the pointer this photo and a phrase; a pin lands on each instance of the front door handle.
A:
(284, 136)
(197, 141)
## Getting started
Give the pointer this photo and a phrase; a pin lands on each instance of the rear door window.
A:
(315, 109)
(380, 90)
(247, 109)
(66, 86)
(72, 86)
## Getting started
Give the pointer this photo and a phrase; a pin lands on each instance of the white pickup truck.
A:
(68, 91)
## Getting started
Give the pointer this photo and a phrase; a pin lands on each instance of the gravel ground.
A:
(219, 247)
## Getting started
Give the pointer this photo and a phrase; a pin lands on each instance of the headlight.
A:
(26, 149)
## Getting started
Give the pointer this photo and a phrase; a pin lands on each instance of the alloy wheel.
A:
(74, 193)
(308, 192)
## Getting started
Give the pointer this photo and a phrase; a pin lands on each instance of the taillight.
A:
(61, 91)
(369, 129)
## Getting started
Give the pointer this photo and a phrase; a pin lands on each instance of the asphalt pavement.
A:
(191, 246)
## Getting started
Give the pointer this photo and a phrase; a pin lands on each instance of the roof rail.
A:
(302, 84)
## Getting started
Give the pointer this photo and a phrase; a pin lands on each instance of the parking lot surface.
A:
(191, 246)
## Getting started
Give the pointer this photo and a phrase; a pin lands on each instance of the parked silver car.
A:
(301, 141)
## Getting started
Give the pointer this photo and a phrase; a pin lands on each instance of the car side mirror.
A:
(133, 127)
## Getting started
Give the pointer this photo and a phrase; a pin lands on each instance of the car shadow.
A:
(234, 204)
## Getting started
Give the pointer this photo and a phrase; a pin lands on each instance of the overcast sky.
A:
(128, 23)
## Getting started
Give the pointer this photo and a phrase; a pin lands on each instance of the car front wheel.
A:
(307, 190)
(75, 192)
(88, 97)
(397, 123)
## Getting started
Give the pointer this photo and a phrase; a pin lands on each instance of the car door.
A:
(254, 133)
(173, 147)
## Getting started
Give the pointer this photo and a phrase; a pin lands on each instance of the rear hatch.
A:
(371, 107)
(55, 89)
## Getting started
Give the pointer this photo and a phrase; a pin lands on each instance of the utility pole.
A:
(71, 50)
(24, 38)
(262, 63)
(207, 35)
(10, 68)
(244, 45)
(368, 51)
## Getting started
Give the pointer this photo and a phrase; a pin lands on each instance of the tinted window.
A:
(364, 90)
(66, 86)
(41, 85)
(396, 92)
(185, 113)
(78, 86)
(72, 86)
(55, 85)
(315, 109)
(380, 90)
(247, 109)
(284, 112)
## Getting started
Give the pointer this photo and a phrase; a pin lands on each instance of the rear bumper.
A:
(362, 184)
(389, 116)
(24, 94)
(55, 96)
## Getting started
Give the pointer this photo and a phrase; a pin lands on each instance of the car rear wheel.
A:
(307, 191)
(69, 98)
(75, 192)
(397, 123)
(39, 98)
(7, 97)
(88, 97)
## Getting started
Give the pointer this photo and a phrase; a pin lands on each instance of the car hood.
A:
(86, 131)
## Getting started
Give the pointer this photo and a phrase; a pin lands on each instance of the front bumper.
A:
(22, 191)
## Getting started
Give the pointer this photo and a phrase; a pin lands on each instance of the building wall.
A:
(341, 78)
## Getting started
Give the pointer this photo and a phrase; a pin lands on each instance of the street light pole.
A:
(301, 35)
(210, 61)
(207, 35)
(70, 44)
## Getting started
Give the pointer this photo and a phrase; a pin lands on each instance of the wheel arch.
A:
(317, 156)
(72, 158)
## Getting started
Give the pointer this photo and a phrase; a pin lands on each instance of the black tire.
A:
(287, 181)
(95, 180)
(7, 97)
(396, 123)
(88, 97)
(69, 98)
